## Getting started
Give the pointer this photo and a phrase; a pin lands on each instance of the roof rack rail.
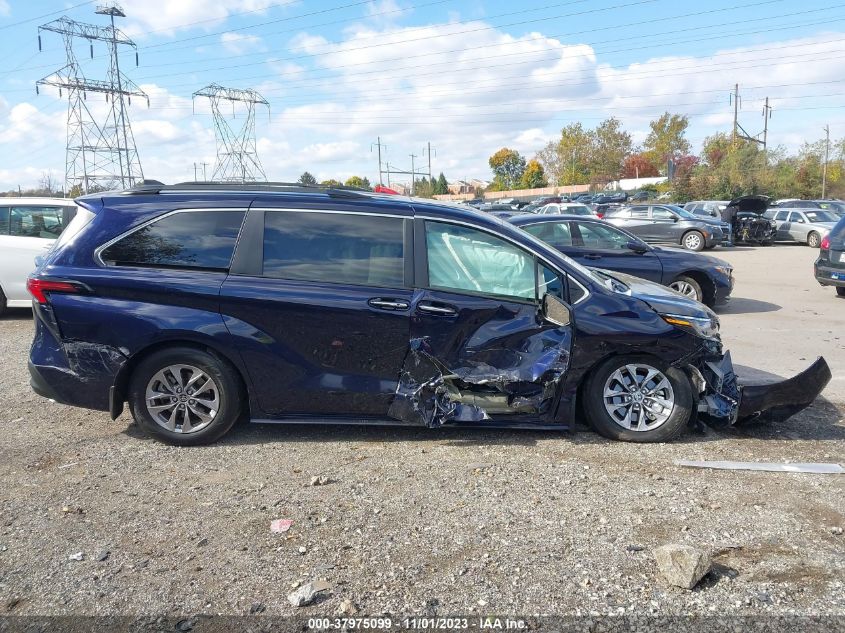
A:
(155, 186)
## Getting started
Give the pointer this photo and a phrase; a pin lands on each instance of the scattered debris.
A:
(256, 608)
(635, 548)
(682, 565)
(302, 549)
(321, 480)
(819, 469)
(280, 525)
(835, 530)
(68, 465)
(77, 556)
(347, 607)
(102, 556)
(185, 625)
(202, 542)
(306, 593)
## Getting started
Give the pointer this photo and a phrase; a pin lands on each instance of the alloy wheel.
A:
(638, 397)
(182, 398)
(685, 288)
(692, 241)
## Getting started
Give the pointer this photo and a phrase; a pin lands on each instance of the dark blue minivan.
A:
(202, 304)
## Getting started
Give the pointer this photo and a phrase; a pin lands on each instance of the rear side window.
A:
(4, 220)
(365, 250)
(36, 221)
(185, 239)
(838, 231)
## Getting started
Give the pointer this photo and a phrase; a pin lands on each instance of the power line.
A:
(45, 15)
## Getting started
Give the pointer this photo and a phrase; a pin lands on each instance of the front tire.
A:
(184, 396)
(638, 399)
(693, 241)
(814, 240)
(840, 291)
(688, 287)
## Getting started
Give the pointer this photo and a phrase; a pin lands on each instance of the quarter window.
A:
(45, 222)
(335, 247)
(465, 259)
(186, 239)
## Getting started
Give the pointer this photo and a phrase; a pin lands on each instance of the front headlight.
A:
(704, 327)
(727, 271)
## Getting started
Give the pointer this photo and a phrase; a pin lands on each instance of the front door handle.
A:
(592, 256)
(440, 309)
(388, 304)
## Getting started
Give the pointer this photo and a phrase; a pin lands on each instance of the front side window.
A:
(660, 213)
(185, 239)
(639, 212)
(354, 249)
(558, 234)
(795, 216)
(782, 215)
(41, 221)
(468, 260)
(601, 236)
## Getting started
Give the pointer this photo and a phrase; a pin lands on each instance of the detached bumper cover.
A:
(727, 400)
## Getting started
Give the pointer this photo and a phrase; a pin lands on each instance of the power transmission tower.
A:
(739, 131)
(237, 154)
(101, 151)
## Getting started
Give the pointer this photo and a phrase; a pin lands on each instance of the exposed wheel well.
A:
(707, 285)
(121, 382)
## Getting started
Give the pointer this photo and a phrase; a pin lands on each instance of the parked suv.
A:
(28, 228)
(830, 266)
(202, 304)
(668, 224)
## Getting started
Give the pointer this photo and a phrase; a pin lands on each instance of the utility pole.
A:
(379, 145)
(826, 155)
(767, 114)
(100, 150)
(413, 175)
(195, 171)
(237, 153)
(736, 113)
(204, 177)
(573, 167)
(428, 152)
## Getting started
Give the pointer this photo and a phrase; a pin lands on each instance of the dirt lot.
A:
(424, 522)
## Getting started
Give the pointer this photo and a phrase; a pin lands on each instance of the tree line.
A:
(725, 168)
(423, 187)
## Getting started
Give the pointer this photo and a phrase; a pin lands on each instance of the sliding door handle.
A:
(439, 309)
(388, 304)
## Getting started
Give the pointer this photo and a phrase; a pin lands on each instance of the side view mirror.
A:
(637, 246)
(555, 311)
(675, 218)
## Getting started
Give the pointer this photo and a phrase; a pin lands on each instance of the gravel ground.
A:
(415, 521)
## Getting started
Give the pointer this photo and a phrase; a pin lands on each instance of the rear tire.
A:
(688, 287)
(617, 420)
(840, 291)
(814, 240)
(2, 303)
(184, 396)
(693, 241)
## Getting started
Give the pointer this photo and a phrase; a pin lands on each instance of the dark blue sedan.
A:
(595, 243)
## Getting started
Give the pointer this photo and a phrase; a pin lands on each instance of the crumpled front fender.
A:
(726, 399)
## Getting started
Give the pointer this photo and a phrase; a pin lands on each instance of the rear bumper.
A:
(830, 275)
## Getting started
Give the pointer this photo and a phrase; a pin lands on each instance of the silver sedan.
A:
(808, 226)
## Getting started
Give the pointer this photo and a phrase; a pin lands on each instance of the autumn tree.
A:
(508, 168)
(358, 181)
(638, 166)
(534, 176)
(611, 145)
(307, 179)
(667, 139)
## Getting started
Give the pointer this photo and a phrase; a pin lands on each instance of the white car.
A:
(28, 228)
(565, 208)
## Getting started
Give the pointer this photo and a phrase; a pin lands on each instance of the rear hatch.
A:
(831, 261)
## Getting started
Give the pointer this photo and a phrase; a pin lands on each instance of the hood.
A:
(660, 298)
(752, 204)
(698, 258)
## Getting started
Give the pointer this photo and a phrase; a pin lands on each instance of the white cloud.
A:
(239, 43)
(166, 17)
(5, 9)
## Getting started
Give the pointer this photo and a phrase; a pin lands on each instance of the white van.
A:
(28, 228)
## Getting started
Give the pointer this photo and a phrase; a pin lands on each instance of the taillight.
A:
(825, 245)
(38, 287)
(600, 215)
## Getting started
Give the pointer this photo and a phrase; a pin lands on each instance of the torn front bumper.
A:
(725, 399)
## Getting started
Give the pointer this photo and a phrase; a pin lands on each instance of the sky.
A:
(466, 76)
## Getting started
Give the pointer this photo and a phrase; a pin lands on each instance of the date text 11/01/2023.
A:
(416, 623)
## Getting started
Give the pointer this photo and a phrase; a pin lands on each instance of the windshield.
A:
(821, 216)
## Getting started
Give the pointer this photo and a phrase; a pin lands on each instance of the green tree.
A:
(566, 161)
(423, 188)
(331, 183)
(508, 167)
(534, 176)
(667, 139)
(442, 184)
(358, 181)
(611, 145)
(307, 179)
